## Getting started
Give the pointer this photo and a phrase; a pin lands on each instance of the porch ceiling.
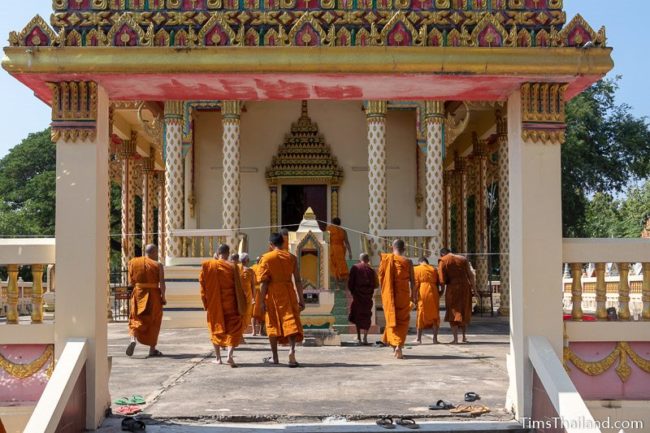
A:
(291, 73)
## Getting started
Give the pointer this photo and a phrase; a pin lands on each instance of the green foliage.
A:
(27, 187)
(606, 150)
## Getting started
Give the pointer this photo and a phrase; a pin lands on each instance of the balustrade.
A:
(202, 244)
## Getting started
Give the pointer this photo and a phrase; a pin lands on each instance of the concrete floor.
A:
(334, 383)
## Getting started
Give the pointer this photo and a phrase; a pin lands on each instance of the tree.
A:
(606, 149)
(635, 211)
(603, 217)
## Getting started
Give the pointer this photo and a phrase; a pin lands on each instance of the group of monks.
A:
(270, 294)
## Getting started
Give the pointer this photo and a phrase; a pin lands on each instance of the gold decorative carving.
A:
(434, 111)
(376, 109)
(74, 110)
(12, 294)
(645, 292)
(24, 371)
(37, 293)
(621, 353)
(543, 117)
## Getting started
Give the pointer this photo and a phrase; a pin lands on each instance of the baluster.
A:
(576, 291)
(12, 294)
(202, 246)
(37, 294)
(184, 246)
(211, 246)
(646, 291)
(193, 251)
(601, 292)
(624, 291)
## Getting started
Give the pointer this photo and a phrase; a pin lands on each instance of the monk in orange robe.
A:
(456, 274)
(248, 281)
(147, 276)
(339, 245)
(282, 299)
(285, 240)
(225, 302)
(427, 289)
(258, 322)
(397, 283)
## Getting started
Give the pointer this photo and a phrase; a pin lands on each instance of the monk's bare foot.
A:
(454, 342)
(416, 342)
(217, 361)
(465, 340)
(231, 363)
(398, 353)
(435, 341)
(292, 361)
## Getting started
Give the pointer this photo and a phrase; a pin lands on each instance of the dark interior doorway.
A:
(297, 198)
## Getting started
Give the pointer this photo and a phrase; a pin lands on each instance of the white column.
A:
(231, 113)
(480, 220)
(377, 193)
(173, 177)
(504, 208)
(160, 189)
(128, 199)
(434, 118)
(535, 238)
(463, 206)
(82, 238)
(148, 196)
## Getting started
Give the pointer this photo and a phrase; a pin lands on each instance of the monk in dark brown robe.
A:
(147, 276)
(456, 275)
(362, 283)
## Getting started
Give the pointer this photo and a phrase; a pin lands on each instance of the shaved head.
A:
(151, 251)
(399, 245)
(223, 251)
(365, 258)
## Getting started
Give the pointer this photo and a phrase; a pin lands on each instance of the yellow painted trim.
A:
(372, 59)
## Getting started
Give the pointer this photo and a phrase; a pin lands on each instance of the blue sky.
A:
(21, 113)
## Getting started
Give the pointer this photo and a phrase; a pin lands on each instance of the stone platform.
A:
(346, 382)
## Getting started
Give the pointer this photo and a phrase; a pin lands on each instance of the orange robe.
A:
(426, 278)
(455, 272)
(282, 310)
(219, 296)
(146, 306)
(248, 282)
(258, 301)
(394, 279)
(338, 266)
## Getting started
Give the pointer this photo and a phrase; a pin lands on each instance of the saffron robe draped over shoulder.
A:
(456, 274)
(282, 310)
(362, 284)
(394, 278)
(426, 278)
(146, 312)
(219, 296)
(338, 266)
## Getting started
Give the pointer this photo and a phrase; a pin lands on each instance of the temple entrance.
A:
(296, 199)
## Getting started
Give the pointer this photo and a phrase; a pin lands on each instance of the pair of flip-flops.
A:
(128, 410)
(133, 425)
(130, 401)
(473, 410)
(470, 397)
(387, 423)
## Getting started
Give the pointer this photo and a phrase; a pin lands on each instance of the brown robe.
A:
(146, 305)
(225, 315)
(362, 284)
(282, 310)
(394, 278)
(456, 274)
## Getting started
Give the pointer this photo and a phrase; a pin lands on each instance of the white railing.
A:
(203, 243)
(417, 241)
(629, 296)
(59, 389)
(18, 298)
(565, 398)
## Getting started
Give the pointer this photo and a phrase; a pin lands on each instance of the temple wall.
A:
(343, 124)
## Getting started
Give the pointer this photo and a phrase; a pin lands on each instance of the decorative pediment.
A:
(304, 154)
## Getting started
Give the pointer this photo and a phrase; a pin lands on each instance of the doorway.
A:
(296, 199)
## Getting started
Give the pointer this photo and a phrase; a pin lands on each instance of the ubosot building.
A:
(224, 120)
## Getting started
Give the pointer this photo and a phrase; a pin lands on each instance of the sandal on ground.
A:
(479, 410)
(123, 401)
(294, 365)
(386, 422)
(461, 408)
(407, 423)
(133, 425)
(269, 361)
(155, 354)
(441, 405)
(130, 349)
(127, 410)
(471, 397)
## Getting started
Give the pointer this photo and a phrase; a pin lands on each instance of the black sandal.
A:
(407, 422)
(130, 349)
(441, 405)
(155, 354)
(471, 397)
(133, 425)
(386, 422)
